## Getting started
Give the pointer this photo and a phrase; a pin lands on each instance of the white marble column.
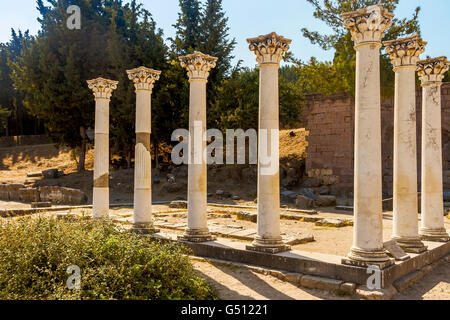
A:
(431, 73)
(269, 50)
(404, 55)
(198, 66)
(144, 80)
(102, 89)
(367, 27)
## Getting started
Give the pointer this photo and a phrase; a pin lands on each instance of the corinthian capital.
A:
(406, 51)
(102, 88)
(368, 25)
(198, 65)
(269, 49)
(143, 78)
(432, 71)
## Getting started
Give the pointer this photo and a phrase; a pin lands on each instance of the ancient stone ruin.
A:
(367, 27)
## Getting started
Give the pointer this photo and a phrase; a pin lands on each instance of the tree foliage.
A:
(329, 11)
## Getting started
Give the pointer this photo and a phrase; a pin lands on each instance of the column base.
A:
(364, 259)
(271, 246)
(434, 235)
(197, 236)
(144, 229)
(411, 245)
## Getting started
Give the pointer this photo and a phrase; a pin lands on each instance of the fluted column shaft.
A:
(404, 56)
(432, 72)
(367, 27)
(143, 79)
(269, 50)
(102, 89)
(198, 66)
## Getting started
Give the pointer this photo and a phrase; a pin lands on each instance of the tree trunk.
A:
(81, 162)
(156, 145)
(129, 160)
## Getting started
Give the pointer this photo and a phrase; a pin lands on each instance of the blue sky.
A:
(249, 18)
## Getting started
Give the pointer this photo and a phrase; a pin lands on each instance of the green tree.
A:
(14, 111)
(329, 11)
(188, 36)
(238, 98)
(133, 41)
(215, 41)
(54, 70)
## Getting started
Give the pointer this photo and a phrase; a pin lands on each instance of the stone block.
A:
(178, 204)
(247, 216)
(293, 277)
(297, 239)
(348, 287)
(382, 294)
(312, 183)
(408, 280)
(325, 201)
(50, 174)
(396, 251)
(63, 196)
(37, 205)
(34, 174)
(334, 223)
(320, 283)
(28, 195)
(303, 202)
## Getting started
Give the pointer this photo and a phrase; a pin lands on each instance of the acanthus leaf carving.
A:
(198, 65)
(270, 48)
(432, 71)
(102, 88)
(368, 25)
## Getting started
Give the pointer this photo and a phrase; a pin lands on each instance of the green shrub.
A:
(35, 254)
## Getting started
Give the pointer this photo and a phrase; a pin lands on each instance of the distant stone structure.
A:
(330, 122)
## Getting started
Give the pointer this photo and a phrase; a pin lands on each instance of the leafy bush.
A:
(35, 254)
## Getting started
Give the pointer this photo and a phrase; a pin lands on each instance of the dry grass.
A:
(293, 147)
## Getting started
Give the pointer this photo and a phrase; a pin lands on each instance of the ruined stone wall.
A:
(330, 122)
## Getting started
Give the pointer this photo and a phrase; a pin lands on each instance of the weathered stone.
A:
(308, 192)
(50, 174)
(334, 223)
(325, 201)
(219, 192)
(36, 205)
(320, 283)
(236, 198)
(34, 174)
(396, 251)
(348, 288)
(178, 204)
(324, 190)
(312, 183)
(288, 194)
(60, 195)
(303, 202)
(156, 180)
(293, 277)
(408, 280)
(294, 240)
(382, 294)
(247, 216)
(28, 195)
